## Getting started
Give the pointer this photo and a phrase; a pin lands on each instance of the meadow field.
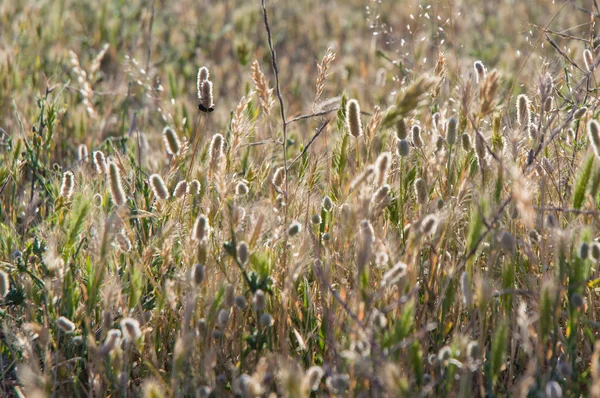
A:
(310, 198)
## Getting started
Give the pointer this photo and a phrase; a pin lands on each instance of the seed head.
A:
(223, 318)
(131, 329)
(479, 71)
(206, 96)
(158, 187)
(123, 242)
(381, 194)
(203, 75)
(197, 274)
(201, 228)
(259, 300)
(465, 286)
(241, 189)
(4, 284)
(548, 104)
(194, 187)
(113, 338)
(403, 148)
(68, 184)
(507, 241)
(240, 302)
(99, 162)
(579, 113)
(180, 189)
(394, 275)
(114, 183)
(589, 60)
(82, 153)
(216, 147)
(594, 135)
(445, 354)
(353, 118)
(595, 251)
(451, 130)
(294, 228)
(473, 351)
(480, 149)
(316, 219)
(416, 136)
(279, 177)
(523, 111)
(421, 191)
(553, 390)
(577, 300)
(436, 120)
(401, 131)
(171, 140)
(584, 251)
(313, 377)
(65, 324)
(429, 224)
(383, 163)
(243, 252)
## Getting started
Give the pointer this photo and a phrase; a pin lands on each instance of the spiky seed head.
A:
(595, 251)
(259, 300)
(479, 71)
(158, 187)
(206, 94)
(82, 153)
(313, 377)
(194, 187)
(99, 162)
(266, 320)
(203, 75)
(523, 111)
(548, 104)
(316, 219)
(180, 189)
(279, 177)
(381, 194)
(353, 118)
(421, 191)
(580, 112)
(123, 242)
(130, 329)
(4, 284)
(114, 183)
(171, 140)
(451, 131)
(243, 252)
(384, 161)
(584, 251)
(65, 324)
(68, 185)
(401, 130)
(507, 241)
(394, 275)
(594, 135)
(197, 274)
(201, 228)
(223, 318)
(429, 224)
(240, 302)
(416, 136)
(589, 60)
(403, 148)
(216, 147)
(294, 228)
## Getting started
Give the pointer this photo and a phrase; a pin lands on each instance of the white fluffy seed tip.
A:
(131, 329)
(158, 187)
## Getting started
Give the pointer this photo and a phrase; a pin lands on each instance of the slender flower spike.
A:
(198, 274)
(68, 184)
(416, 136)
(180, 189)
(479, 71)
(131, 329)
(353, 118)
(216, 147)
(523, 112)
(114, 182)
(403, 148)
(451, 131)
(171, 140)
(594, 135)
(201, 228)
(589, 60)
(82, 153)
(4, 284)
(206, 97)
(203, 75)
(158, 187)
(65, 324)
(99, 162)
(384, 161)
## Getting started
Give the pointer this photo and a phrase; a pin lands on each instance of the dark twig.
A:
(319, 131)
(562, 53)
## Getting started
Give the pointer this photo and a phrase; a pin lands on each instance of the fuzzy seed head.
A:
(123, 242)
(401, 130)
(584, 251)
(171, 140)
(384, 161)
(316, 219)
(479, 71)
(466, 142)
(241, 189)
(551, 221)
(259, 301)
(130, 329)
(353, 118)
(194, 187)
(158, 187)
(451, 131)
(416, 136)
(216, 147)
(368, 233)
(473, 351)
(394, 275)
(429, 224)
(594, 136)
(223, 318)
(294, 228)
(548, 104)
(4, 284)
(507, 241)
(279, 177)
(203, 75)
(421, 191)
(595, 251)
(65, 324)
(523, 111)
(579, 113)
(381, 194)
(197, 274)
(588, 58)
(206, 94)
(436, 119)
(180, 189)
(465, 286)
(266, 320)
(82, 153)
(480, 149)
(577, 300)
(68, 185)
(201, 228)
(114, 183)
(403, 148)
(113, 339)
(240, 302)
(243, 252)
(313, 377)
(553, 390)
(99, 162)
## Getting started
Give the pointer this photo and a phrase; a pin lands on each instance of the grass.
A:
(155, 241)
